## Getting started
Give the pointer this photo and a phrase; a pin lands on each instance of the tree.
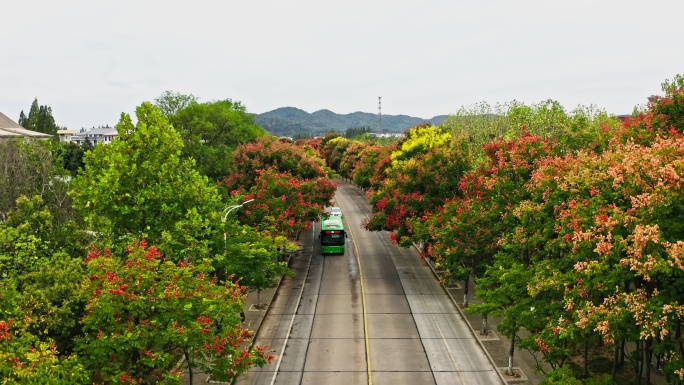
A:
(31, 236)
(72, 154)
(253, 258)
(52, 298)
(170, 102)
(30, 168)
(351, 158)
(145, 311)
(139, 187)
(369, 158)
(285, 203)
(423, 174)
(39, 119)
(24, 358)
(212, 130)
(269, 153)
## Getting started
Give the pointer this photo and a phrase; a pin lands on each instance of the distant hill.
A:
(287, 121)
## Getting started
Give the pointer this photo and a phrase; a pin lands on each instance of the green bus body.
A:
(332, 235)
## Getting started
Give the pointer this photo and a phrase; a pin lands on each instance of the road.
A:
(375, 315)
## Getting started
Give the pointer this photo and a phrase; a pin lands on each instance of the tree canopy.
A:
(210, 131)
(39, 119)
(140, 187)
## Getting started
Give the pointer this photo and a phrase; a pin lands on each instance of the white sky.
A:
(90, 60)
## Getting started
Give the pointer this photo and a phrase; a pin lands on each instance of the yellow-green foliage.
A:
(482, 123)
(419, 139)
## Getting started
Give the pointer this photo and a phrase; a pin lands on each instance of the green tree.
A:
(253, 258)
(71, 155)
(139, 187)
(170, 102)
(302, 135)
(30, 167)
(52, 298)
(30, 236)
(213, 130)
(39, 119)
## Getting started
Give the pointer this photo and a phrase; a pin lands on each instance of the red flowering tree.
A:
(467, 230)
(284, 202)
(623, 223)
(269, 153)
(144, 313)
(603, 230)
(422, 175)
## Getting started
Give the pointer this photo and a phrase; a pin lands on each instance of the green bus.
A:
(332, 235)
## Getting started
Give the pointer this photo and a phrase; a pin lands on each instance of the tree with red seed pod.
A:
(174, 310)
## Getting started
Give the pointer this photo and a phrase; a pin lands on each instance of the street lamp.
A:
(234, 207)
(228, 210)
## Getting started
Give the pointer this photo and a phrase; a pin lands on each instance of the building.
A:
(10, 129)
(387, 134)
(95, 136)
(65, 135)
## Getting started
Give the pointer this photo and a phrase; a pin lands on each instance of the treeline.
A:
(287, 121)
(353, 132)
(570, 223)
(145, 255)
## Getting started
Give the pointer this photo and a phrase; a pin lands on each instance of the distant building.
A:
(65, 135)
(387, 134)
(10, 129)
(95, 136)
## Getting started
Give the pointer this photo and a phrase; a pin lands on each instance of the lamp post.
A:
(228, 211)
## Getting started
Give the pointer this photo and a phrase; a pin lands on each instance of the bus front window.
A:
(332, 239)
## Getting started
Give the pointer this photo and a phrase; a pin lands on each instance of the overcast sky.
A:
(91, 60)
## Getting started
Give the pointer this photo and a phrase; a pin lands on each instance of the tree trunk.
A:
(484, 325)
(259, 298)
(622, 352)
(586, 357)
(616, 362)
(640, 371)
(187, 360)
(678, 338)
(465, 292)
(648, 357)
(511, 350)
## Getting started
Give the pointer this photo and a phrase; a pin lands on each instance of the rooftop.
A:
(10, 129)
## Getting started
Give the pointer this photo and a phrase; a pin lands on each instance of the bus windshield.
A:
(332, 238)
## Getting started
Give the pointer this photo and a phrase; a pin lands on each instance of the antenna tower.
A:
(380, 113)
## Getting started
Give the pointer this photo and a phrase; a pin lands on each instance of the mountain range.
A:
(288, 121)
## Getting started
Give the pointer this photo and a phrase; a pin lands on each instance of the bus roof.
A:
(332, 223)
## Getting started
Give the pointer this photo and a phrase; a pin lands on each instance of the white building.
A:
(65, 135)
(95, 136)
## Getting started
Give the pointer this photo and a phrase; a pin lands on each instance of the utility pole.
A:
(380, 114)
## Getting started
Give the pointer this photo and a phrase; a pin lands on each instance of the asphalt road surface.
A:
(375, 315)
